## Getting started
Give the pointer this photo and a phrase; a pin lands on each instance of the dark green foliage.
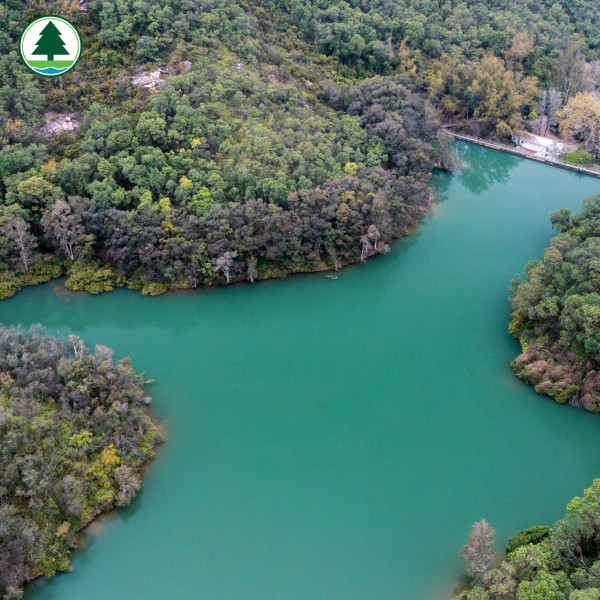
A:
(533, 535)
(368, 35)
(74, 431)
(251, 151)
(557, 312)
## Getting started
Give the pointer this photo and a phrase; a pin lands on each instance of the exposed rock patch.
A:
(55, 123)
(151, 80)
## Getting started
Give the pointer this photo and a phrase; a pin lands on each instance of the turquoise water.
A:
(336, 439)
(50, 70)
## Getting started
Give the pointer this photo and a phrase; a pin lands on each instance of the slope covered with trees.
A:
(561, 562)
(263, 149)
(249, 162)
(367, 36)
(479, 59)
(557, 312)
(74, 431)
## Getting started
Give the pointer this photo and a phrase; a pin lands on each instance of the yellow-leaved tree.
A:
(581, 120)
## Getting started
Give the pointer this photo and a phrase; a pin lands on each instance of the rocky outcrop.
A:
(57, 122)
(151, 80)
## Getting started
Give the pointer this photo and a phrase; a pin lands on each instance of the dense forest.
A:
(496, 60)
(557, 312)
(368, 35)
(247, 161)
(561, 562)
(276, 138)
(74, 431)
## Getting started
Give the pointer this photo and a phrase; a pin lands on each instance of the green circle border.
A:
(51, 17)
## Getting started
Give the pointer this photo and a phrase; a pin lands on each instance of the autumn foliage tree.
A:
(581, 119)
(488, 90)
(500, 95)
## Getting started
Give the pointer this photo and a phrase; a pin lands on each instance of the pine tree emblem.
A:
(50, 46)
(50, 42)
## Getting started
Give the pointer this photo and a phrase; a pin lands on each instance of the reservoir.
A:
(336, 439)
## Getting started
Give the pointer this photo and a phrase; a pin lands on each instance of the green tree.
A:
(50, 42)
(544, 587)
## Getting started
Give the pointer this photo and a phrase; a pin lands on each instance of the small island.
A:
(75, 431)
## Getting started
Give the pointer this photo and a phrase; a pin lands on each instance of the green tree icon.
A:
(50, 42)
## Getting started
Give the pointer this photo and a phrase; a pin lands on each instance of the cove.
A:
(337, 439)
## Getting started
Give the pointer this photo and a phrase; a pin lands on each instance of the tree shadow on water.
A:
(480, 168)
(441, 184)
(127, 512)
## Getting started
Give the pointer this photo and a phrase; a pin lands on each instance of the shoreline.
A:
(101, 511)
(410, 228)
(516, 152)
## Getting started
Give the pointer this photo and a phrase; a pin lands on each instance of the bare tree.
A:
(549, 105)
(252, 269)
(478, 551)
(370, 243)
(129, 483)
(592, 75)
(367, 248)
(62, 227)
(224, 263)
(373, 235)
(333, 255)
(77, 344)
(17, 230)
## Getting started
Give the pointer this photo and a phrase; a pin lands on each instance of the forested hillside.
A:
(74, 431)
(480, 58)
(366, 35)
(273, 138)
(246, 162)
(557, 312)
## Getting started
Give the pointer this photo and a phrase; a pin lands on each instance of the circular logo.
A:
(50, 46)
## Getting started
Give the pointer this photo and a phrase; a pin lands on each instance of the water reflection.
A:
(477, 172)
(442, 181)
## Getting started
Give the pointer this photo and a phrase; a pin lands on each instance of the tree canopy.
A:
(247, 158)
(561, 562)
(74, 431)
(557, 312)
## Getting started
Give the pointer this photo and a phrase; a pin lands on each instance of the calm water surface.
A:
(336, 439)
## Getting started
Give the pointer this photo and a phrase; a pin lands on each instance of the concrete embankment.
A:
(518, 152)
